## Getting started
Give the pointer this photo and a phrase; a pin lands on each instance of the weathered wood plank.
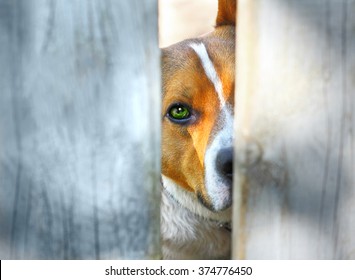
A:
(295, 123)
(79, 129)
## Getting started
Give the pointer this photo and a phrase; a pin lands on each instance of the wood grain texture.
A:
(79, 129)
(295, 123)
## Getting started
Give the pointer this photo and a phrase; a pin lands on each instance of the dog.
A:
(197, 134)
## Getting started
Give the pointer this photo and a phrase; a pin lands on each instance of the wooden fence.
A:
(295, 123)
(80, 130)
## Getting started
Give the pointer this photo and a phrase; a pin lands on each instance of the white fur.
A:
(210, 70)
(188, 200)
(216, 189)
(186, 234)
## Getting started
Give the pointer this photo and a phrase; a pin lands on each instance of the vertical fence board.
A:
(79, 129)
(295, 123)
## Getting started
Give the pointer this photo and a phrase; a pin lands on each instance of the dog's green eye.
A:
(179, 112)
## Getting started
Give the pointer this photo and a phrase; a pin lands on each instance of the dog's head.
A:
(197, 108)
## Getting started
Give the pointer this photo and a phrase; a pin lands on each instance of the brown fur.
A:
(183, 147)
(191, 229)
(226, 12)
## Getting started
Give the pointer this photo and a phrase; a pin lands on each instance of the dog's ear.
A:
(227, 12)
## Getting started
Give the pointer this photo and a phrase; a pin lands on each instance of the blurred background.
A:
(182, 19)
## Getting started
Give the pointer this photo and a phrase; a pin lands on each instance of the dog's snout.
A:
(225, 163)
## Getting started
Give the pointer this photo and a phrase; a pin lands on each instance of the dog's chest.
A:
(187, 236)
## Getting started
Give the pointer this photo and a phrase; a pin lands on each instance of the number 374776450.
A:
(224, 270)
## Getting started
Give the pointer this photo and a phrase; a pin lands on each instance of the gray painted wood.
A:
(79, 129)
(295, 123)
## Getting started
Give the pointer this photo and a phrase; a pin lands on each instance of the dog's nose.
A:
(225, 163)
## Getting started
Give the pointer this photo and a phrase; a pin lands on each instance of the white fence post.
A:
(295, 123)
(79, 129)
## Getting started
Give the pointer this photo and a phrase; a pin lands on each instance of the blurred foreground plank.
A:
(79, 129)
(295, 123)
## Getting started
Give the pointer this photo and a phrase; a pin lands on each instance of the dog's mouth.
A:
(221, 200)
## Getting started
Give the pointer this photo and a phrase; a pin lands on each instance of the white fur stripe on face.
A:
(218, 191)
(210, 71)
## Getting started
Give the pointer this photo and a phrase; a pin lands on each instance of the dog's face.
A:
(198, 102)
